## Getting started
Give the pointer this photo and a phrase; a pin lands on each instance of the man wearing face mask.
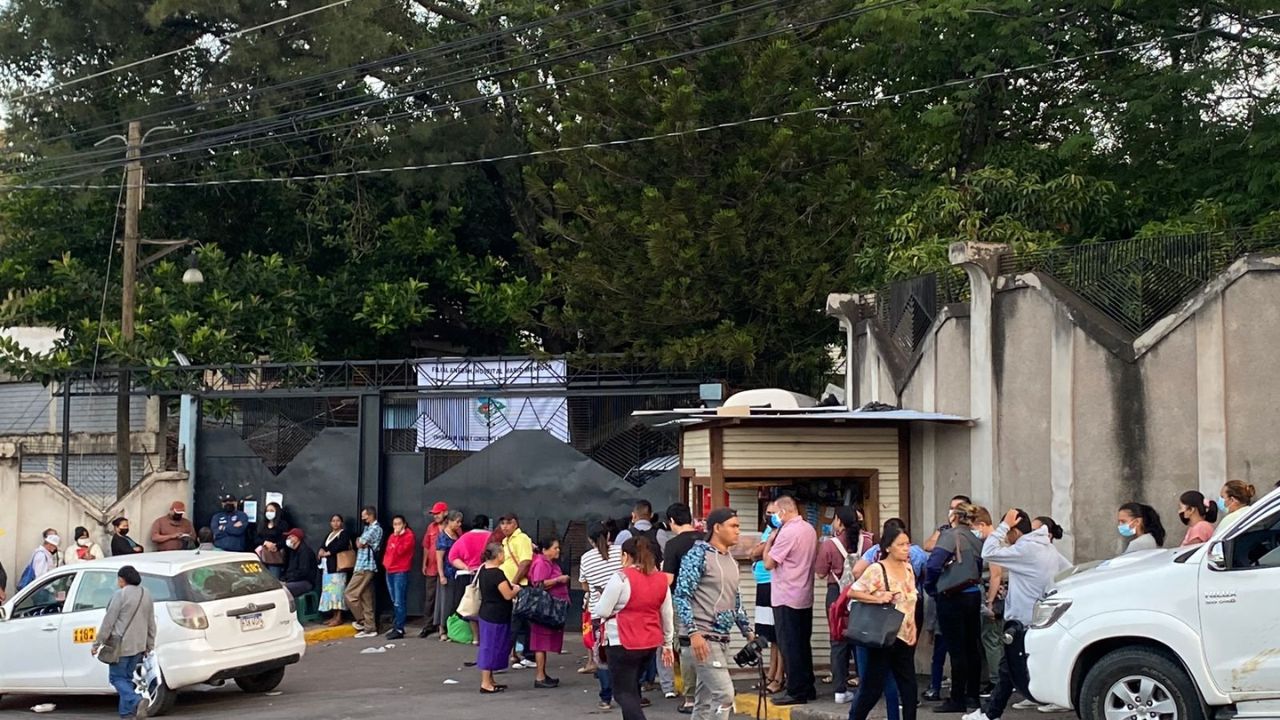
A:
(173, 531)
(121, 543)
(300, 564)
(44, 559)
(764, 600)
(1031, 562)
(229, 526)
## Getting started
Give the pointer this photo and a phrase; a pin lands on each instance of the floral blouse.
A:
(873, 581)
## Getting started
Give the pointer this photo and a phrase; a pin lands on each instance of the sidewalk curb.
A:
(329, 634)
(808, 712)
(745, 704)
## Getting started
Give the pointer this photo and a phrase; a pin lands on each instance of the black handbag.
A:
(958, 575)
(872, 625)
(537, 606)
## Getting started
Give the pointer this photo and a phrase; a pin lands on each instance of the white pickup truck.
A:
(1173, 634)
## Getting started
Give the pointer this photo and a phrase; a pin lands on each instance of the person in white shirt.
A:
(1031, 562)
(45, 557)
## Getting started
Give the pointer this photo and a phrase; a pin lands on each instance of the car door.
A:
(82, 615)
(1239, 615)
(30, 655)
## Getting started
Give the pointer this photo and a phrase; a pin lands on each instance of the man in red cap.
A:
(431, 569)
(173, 531)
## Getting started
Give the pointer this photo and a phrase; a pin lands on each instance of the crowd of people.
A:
(662, 598)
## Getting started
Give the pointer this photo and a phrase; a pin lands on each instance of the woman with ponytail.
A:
(1237, 496)
(1044, 521)
(836, 557)
(1140, 525)
(636, 607)
(1198, 514)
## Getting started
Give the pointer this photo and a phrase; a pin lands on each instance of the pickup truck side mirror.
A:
(1217, 556)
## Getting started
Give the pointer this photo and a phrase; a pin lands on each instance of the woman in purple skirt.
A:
(496, 595)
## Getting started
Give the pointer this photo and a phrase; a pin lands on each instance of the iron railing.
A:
(1137, 282)
(906, 309)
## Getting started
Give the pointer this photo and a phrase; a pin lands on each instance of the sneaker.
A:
(1051, 708)
(395, 635)
(547, 684)
(366, 634)
(844, 698)
(1026, 705)
(670, 695)
(605, 705)
(951, 707)
(932, 696)
(517, 664)
(359, 626)
(975, 715)
(530, 664)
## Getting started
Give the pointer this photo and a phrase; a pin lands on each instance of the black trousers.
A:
(900, 660)
(520, 633)
(625, 667)
(1013, 672)
(960, 618)
(795, 640)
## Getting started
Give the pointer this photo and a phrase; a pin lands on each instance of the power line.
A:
(171, 53)
(459, 76)
(226, 136)
(227, 140)
(958, 82)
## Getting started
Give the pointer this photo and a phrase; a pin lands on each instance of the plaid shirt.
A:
(366, 557)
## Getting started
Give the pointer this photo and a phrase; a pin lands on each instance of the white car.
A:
(219, 616)
(1171, 634)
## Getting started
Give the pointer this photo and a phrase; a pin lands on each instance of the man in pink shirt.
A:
(789, 556)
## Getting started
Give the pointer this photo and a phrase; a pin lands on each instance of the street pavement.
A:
(336, 681)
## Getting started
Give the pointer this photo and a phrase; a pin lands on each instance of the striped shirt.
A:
(596, 571)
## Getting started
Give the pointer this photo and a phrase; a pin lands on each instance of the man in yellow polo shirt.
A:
(518, 549)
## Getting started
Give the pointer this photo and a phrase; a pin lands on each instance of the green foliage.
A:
(716, 248)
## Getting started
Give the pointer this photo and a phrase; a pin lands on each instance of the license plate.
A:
(251, 622)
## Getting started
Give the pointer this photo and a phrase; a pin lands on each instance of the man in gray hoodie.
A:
(130, 629)
(1031, 562)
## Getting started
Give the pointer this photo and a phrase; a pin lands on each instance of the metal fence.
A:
(1136, 282)
(278, 428)
(906, 309)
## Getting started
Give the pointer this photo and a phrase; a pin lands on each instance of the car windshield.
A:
(225, 581)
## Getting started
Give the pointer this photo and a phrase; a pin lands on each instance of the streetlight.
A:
(192, 276)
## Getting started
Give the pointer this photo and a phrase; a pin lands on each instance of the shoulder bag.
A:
(469, 606)
(109, 648)
(874, 625)
(536, 605)
(958, 575)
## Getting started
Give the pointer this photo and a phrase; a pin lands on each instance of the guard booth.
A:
(743, 457)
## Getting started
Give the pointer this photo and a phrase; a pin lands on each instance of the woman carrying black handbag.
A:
(889, 582)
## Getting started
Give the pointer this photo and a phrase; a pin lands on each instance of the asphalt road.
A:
(335, 681)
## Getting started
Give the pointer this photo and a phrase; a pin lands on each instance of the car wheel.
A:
(1139, 684)
(157, 698)
(262, 682)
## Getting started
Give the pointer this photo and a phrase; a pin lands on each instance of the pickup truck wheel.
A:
(1139, 684)
(262, 682)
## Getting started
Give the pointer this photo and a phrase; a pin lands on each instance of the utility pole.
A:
(132, 207)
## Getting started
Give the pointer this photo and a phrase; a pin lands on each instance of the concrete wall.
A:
(36, 501)
(1086, 418)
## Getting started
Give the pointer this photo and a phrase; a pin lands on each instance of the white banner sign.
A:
(472, 423)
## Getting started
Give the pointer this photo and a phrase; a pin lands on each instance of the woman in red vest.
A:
(636, 605)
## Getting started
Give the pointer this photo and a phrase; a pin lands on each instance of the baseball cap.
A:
(178, 506)
(439, 508)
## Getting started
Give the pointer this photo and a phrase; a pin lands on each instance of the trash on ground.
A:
(373, 651)
(44, 708)
(450, 681)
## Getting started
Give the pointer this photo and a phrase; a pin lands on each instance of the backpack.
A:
(652, 534)
(28, 576)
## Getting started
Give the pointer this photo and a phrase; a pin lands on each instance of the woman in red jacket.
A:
(397, 560)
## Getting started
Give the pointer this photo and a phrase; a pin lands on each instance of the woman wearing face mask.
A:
(764, 602)
(85, 549)
(1198, 514)
(1140, 525)
(835, 555)
(271, 534)
(1237, 496)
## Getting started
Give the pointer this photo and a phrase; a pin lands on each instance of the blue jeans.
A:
(891, 700)
(939, 657)
(606, 684)
(120, 673)
(398, 586)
